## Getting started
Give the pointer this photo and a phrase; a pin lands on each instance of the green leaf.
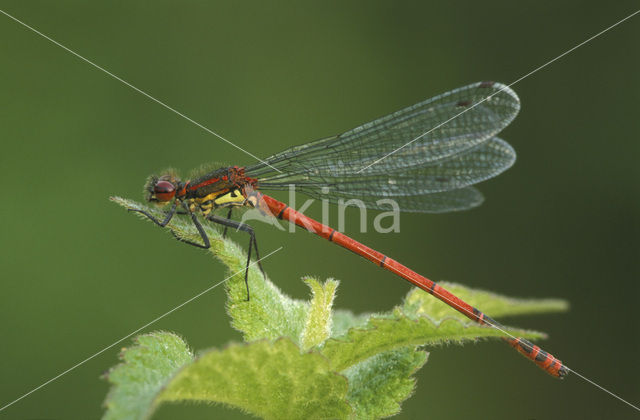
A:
(269, 313)
(381, 383)
(343, 320)
(146, 368)
(385, 334)
(268, 379)
(318, 324)
(420, 303)
(368, 362)
(228, 252)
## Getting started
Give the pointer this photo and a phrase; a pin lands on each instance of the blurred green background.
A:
(78, 272)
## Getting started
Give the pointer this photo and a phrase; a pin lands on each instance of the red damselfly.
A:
(433, 152)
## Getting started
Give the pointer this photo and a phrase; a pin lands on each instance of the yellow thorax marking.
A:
(220, 199)
(233, 197)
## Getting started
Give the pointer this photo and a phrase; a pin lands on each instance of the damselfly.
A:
(425, 157)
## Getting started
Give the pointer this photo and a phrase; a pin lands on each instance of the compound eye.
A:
(164, 190)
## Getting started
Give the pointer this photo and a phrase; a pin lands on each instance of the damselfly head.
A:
(161, 189)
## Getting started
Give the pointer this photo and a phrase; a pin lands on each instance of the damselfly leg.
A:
(206, 243)
(224, 231)
(253, 243)
(166, 220)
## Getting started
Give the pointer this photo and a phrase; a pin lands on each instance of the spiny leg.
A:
(243, 227)
(205, 239)
(166, 220)
(253, 243)
(255, 246)
(170, 215)
(224, 231)
(246, 271)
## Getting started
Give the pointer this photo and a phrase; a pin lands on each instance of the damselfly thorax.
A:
(227, 197)
(221, 188)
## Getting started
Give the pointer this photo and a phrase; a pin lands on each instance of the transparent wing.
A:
(429, 186)
(449, 145)
(441, 202)
(431, 130)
